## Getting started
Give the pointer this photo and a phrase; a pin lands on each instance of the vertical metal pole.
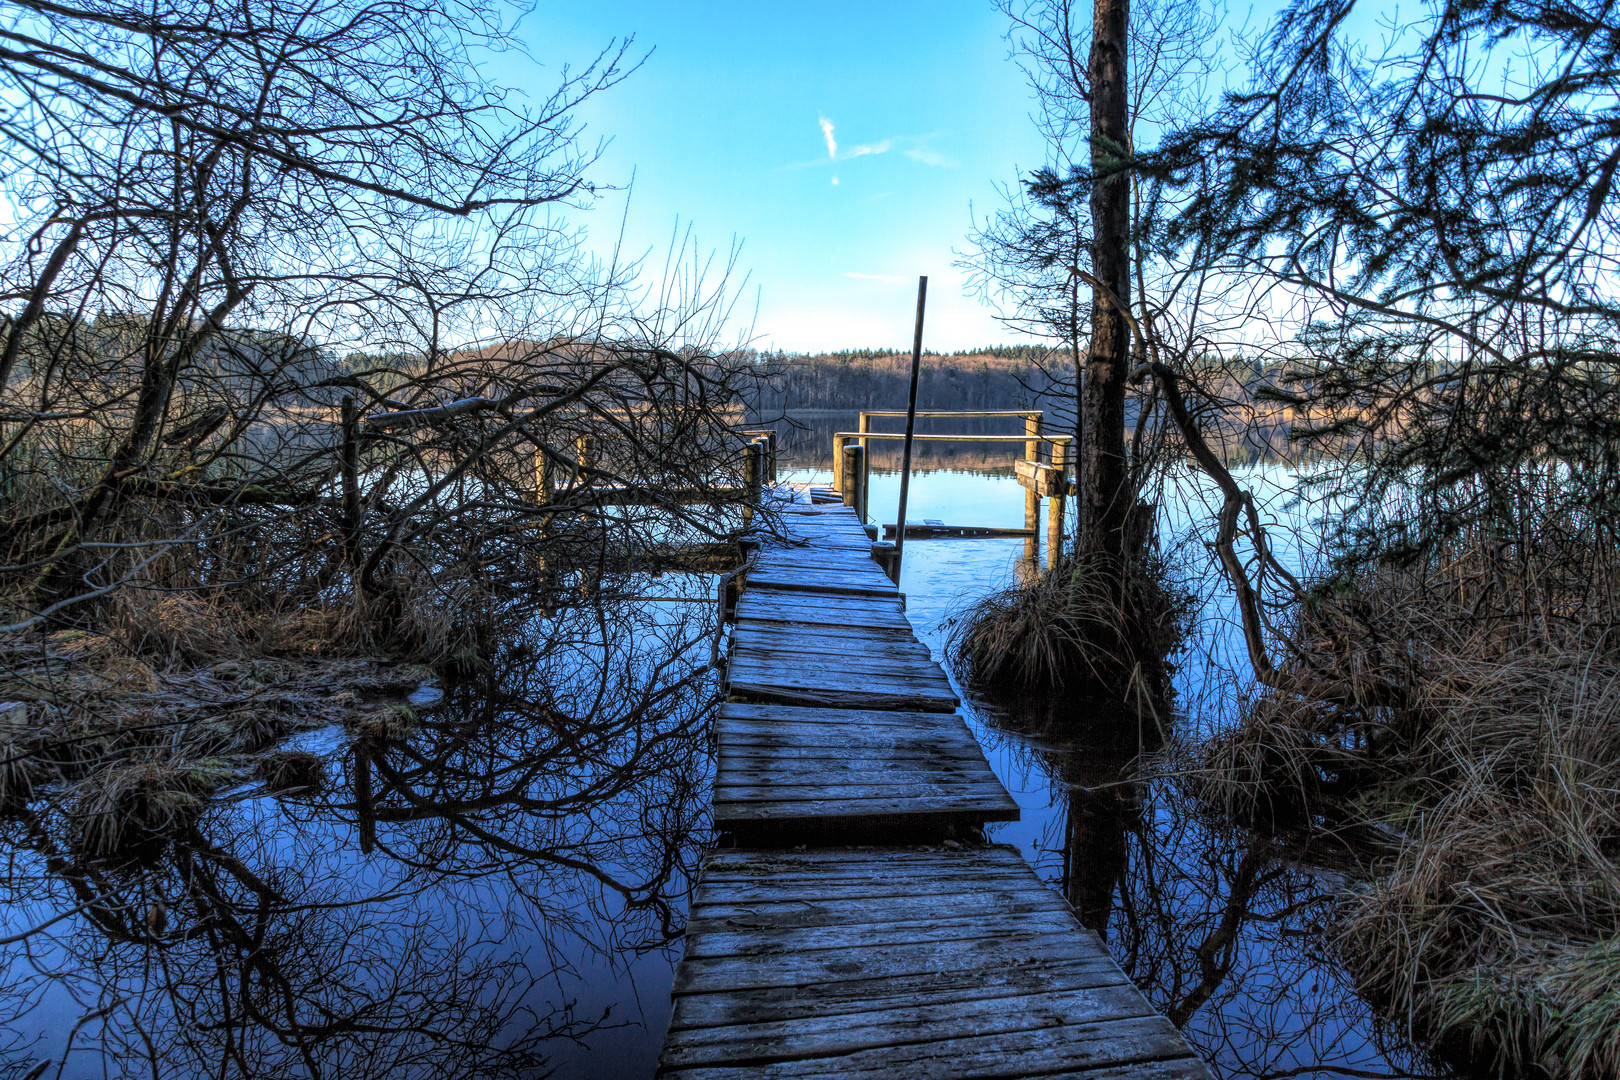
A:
(911, 425)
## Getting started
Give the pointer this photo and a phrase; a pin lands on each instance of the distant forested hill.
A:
(1003, 377)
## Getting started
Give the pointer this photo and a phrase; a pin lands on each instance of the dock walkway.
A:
(924, 957)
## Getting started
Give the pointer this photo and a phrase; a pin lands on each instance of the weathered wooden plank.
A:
(769, 897)
(817, 668)
(850, 768)
(852, 996)
(798, 714)
(856, 697)
(833, 669)
(741, 749)
(763, 735)
(911, 860)
(899, 1021)
(807, 564)
(1147, 1047)
(729, 811)
(760, 602)
(828, 642)
(799, 635)
(882, 689)
(866, 646)
(753, 942)
(831, 911)
(700, 974)
(815, 779)
(830, 584)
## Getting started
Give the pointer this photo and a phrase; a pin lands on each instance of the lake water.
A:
(509, 896)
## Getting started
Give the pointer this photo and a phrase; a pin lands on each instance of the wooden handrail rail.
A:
(952, 438)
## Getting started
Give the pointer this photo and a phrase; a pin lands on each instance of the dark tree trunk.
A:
(1105, 496)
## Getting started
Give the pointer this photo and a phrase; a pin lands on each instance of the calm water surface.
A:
(509, 898)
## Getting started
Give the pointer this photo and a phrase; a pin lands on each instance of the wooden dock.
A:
(931, 955)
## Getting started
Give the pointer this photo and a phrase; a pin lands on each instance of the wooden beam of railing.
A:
(953, 412)
(840, 437)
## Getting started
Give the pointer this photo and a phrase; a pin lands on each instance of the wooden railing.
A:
(1042, 470)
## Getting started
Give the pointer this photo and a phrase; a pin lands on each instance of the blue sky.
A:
(841, 143)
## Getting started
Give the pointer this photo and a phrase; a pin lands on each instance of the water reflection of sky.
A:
(534, 873)
(518, 909)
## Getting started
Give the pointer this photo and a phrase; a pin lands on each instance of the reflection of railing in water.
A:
(1042, 471)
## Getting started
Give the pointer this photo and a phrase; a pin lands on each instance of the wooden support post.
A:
(848, 460)
(545, 477)
(863, 474)
(349, 464)
(1032, 500)
(584, 456)
(1054, 509)
(838, 462)
(854, 469)
(753, 472)
(545, 492)
(770, 456)
(883, 555)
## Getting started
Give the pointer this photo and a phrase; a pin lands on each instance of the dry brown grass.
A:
(1486, 756)
(1494, 927)
(1073, 628)
(290, 770)
(125, 810)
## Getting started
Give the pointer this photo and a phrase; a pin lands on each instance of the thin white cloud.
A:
(872, 277)
(835, 181)
(930, 157)
(868, 148)
(914, 148)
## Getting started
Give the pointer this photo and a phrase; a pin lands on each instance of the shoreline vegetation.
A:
(310, 401)
(1415, 242)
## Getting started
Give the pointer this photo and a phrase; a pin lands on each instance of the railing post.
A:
(770, 455)
(853, 466)
(584, 456)
(545, 477)
(838, 462)
(1032, 501)
(753, 472)
(1054, 511)
(883, 555)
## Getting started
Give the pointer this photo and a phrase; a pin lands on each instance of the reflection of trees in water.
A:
(1219, 927)
(546, 811)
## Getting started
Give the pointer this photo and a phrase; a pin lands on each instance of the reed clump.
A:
(134, 809)
(1076, 626)
(291, 770)
(1478, 753)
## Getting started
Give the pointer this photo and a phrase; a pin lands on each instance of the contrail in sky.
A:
(827, 130)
